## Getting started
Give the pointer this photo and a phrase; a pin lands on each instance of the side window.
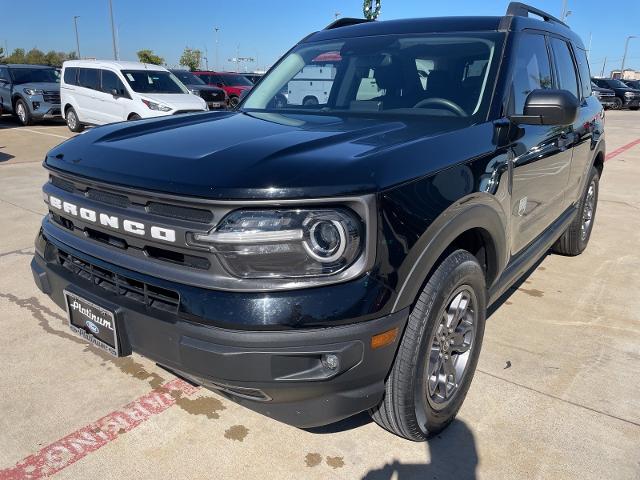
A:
(565, 67)
(89, 78)
(368, 87)
(215, 80)
(531, 70)
(204, 77)
(4, 74)
(71, 76)
(585, 73)
(110, 82)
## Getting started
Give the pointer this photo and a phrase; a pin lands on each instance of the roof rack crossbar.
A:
(345, 22)
(518, 9)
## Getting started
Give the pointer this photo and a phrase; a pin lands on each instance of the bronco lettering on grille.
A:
(112, 221)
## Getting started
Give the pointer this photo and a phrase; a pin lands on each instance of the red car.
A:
(232, 83)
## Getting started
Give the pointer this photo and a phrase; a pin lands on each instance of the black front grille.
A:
(212, 95)
(183, 213)
(63, 184)
(149, 295)
(109, 198)
(51, 97)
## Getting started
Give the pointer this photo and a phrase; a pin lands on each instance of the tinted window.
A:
(215, 80)
(187, 78)
(205, 77)
(71, 76)
(585, 73)
(4, 74)
(110, 82)
(232, 79)
(89, 78)
(565, 67)
(532, 70)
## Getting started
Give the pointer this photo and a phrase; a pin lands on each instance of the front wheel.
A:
(438, 353)
(617, 104)
(576, 237)
(23, 113)
(634, 108)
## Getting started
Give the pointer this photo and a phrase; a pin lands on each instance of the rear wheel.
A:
(438, 353)
(634, 108)
(234, 101)
(575, 239)
(310, 101)
(134, 116)
(72, 121)
(23, 113)
(617, 104)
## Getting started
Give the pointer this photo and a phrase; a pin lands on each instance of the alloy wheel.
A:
(451, 346)
(587, 211)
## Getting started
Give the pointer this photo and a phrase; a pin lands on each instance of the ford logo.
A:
(92, 326)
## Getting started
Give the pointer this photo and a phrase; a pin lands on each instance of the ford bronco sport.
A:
(315, 261)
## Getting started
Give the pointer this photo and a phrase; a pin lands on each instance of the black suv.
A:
(215, 97)
(606, 96)
(315, 261)
(626, 96)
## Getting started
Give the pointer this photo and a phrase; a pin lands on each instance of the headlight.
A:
(195, 91)
(156, 106)
(629, 94)
(32, 91)
(285, 243)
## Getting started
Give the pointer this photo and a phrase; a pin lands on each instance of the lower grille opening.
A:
(151, 296)
(64, 222)
(177, 258)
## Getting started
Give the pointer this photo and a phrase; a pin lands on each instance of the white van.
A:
(96, 92)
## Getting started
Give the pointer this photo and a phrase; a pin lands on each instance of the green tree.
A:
(147, 56)
(191, 58)
(35, 57)
(1, 53)
(17, 56)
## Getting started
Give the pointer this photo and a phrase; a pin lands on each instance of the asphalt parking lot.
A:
(556, 394)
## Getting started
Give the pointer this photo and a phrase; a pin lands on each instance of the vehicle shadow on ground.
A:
(452, 454)
(5, 156)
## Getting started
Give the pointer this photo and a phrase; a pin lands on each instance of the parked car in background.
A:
(232, 83)
(606, 96)
(635, 84)
(215, 97)
(96, 92)
(30, 92)
(628, 97)
(253, 77)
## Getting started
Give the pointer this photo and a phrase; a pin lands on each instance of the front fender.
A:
(477, 211)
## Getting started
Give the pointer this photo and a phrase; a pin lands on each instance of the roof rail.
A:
(345, 22)
(518, 9)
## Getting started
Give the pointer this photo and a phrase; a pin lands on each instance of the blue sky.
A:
(266, 29)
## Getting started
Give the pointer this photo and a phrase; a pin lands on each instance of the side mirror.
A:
(115, 92)
(548, 107)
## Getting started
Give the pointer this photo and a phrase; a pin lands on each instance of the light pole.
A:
(624, 58)
(75, 23)
(217, 29)
(113, 32)
(565, 10)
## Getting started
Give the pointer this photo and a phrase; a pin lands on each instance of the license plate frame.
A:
(87, 319)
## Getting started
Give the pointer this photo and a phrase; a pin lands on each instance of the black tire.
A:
(134, 116)
(407, 408)
(617, 104)
(575, 239)
(73, 122)
(634, 108)
(23, 113)
(234, 101)
(310, 101)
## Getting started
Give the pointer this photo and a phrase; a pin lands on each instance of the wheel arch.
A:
(475, 224)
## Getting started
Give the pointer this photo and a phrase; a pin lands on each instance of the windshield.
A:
(35, 75)
(188, 78)
(435, 75)
(616, 84)
(233, 79)
(153, 81)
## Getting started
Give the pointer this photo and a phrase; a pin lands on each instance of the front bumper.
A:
(631, 102)
(280, 374)
(42, 110)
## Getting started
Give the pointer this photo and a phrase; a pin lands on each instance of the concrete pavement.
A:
(556, 394)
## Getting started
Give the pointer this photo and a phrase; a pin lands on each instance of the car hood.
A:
(40, 86)
(265, 155)
(178, 101)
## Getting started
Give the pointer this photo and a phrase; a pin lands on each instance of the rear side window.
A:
(110, 82)
(89, 78)
(71, 76)
(4, 74)
(565, 66)
(531, 71)
(204, 77)
(585, 73)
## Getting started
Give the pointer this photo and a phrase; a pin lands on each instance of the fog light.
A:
(330, 361)
(36, 105)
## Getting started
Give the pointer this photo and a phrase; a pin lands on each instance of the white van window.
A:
(146, 81)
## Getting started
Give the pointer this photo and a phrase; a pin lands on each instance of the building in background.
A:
(629, 74)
